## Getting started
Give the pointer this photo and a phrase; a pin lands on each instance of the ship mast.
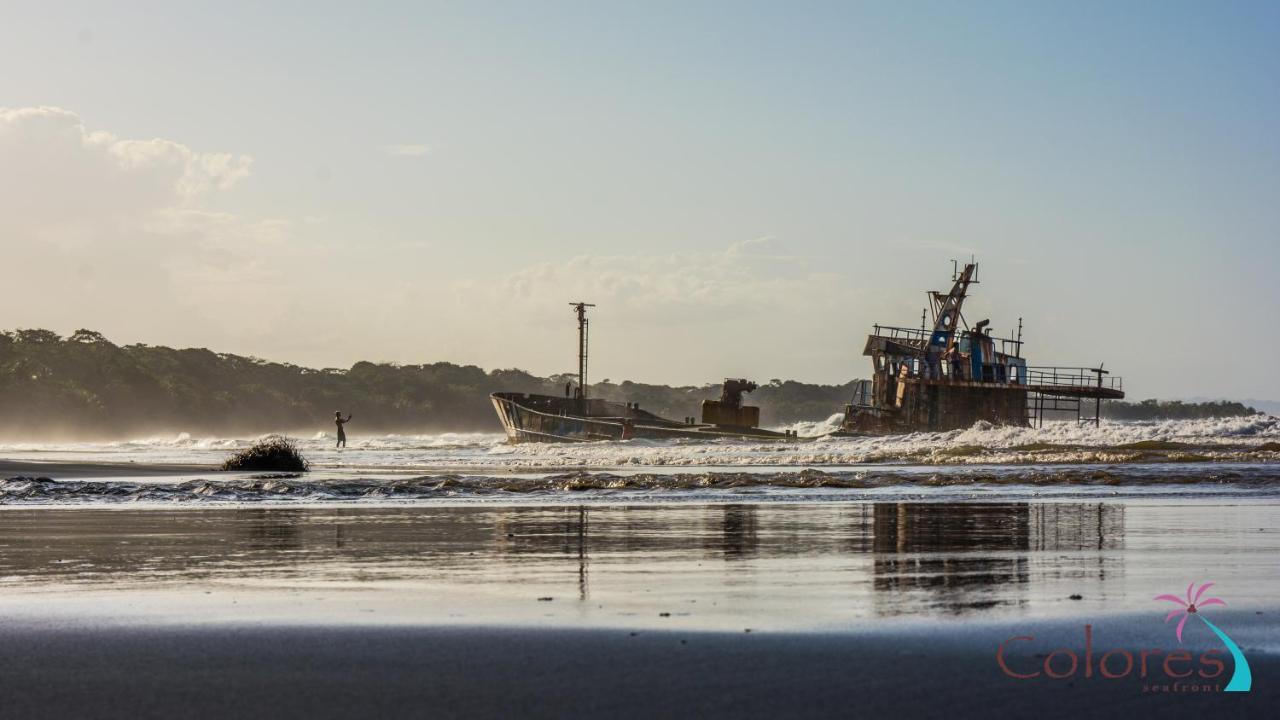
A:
(948, 306)
(581, 309)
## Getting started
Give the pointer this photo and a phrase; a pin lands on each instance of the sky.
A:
(743, 189)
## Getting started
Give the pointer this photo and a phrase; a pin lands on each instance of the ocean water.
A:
(1237, 457)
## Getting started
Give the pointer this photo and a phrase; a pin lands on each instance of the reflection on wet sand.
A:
(960, 557)
(274, 530)
(830, 561)
(739, 537)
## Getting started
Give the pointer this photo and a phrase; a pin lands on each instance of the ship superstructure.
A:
(948, 375)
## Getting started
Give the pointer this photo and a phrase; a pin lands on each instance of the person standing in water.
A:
(342, 434)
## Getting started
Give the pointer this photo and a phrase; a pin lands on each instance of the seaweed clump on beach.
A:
(274, 452)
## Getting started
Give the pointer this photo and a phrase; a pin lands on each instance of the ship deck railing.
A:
(900, 334)
(1064, 390)
(921, 338)
(1076, 381)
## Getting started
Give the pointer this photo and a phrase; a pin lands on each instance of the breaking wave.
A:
(880, 484)
(1248, 439)
(1253, 439)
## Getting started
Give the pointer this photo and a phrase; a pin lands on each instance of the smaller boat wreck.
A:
(946, 378)
(578, 418)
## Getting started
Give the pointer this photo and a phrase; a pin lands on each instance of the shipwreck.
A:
(950, 375)
(944, 375)
(575, 417)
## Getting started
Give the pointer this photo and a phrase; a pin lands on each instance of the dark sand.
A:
(66, 470)
(282, 672)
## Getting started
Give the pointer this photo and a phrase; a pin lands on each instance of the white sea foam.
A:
(813, 428)
(1056, 442)
(1219, 439)
(1062, 459)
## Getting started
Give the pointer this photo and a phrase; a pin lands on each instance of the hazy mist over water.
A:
(1063, 459)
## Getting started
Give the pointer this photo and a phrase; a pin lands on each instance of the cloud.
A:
(112, 231)
(63, 162)
(744, 276)
(406, 150)
(672, 316)
(131, 237)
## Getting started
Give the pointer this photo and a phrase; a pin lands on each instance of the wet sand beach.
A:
(490, 609)
(73, 469)
(339, 671)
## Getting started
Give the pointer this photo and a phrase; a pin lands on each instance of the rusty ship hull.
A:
(939, 406)
(547, 418)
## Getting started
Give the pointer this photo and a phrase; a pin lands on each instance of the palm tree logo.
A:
(1241, 678)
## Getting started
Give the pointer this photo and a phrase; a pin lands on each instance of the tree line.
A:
(83, 385)
(1173, 410)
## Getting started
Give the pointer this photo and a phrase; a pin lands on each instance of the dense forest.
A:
(1173, 410)
(86, 386)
